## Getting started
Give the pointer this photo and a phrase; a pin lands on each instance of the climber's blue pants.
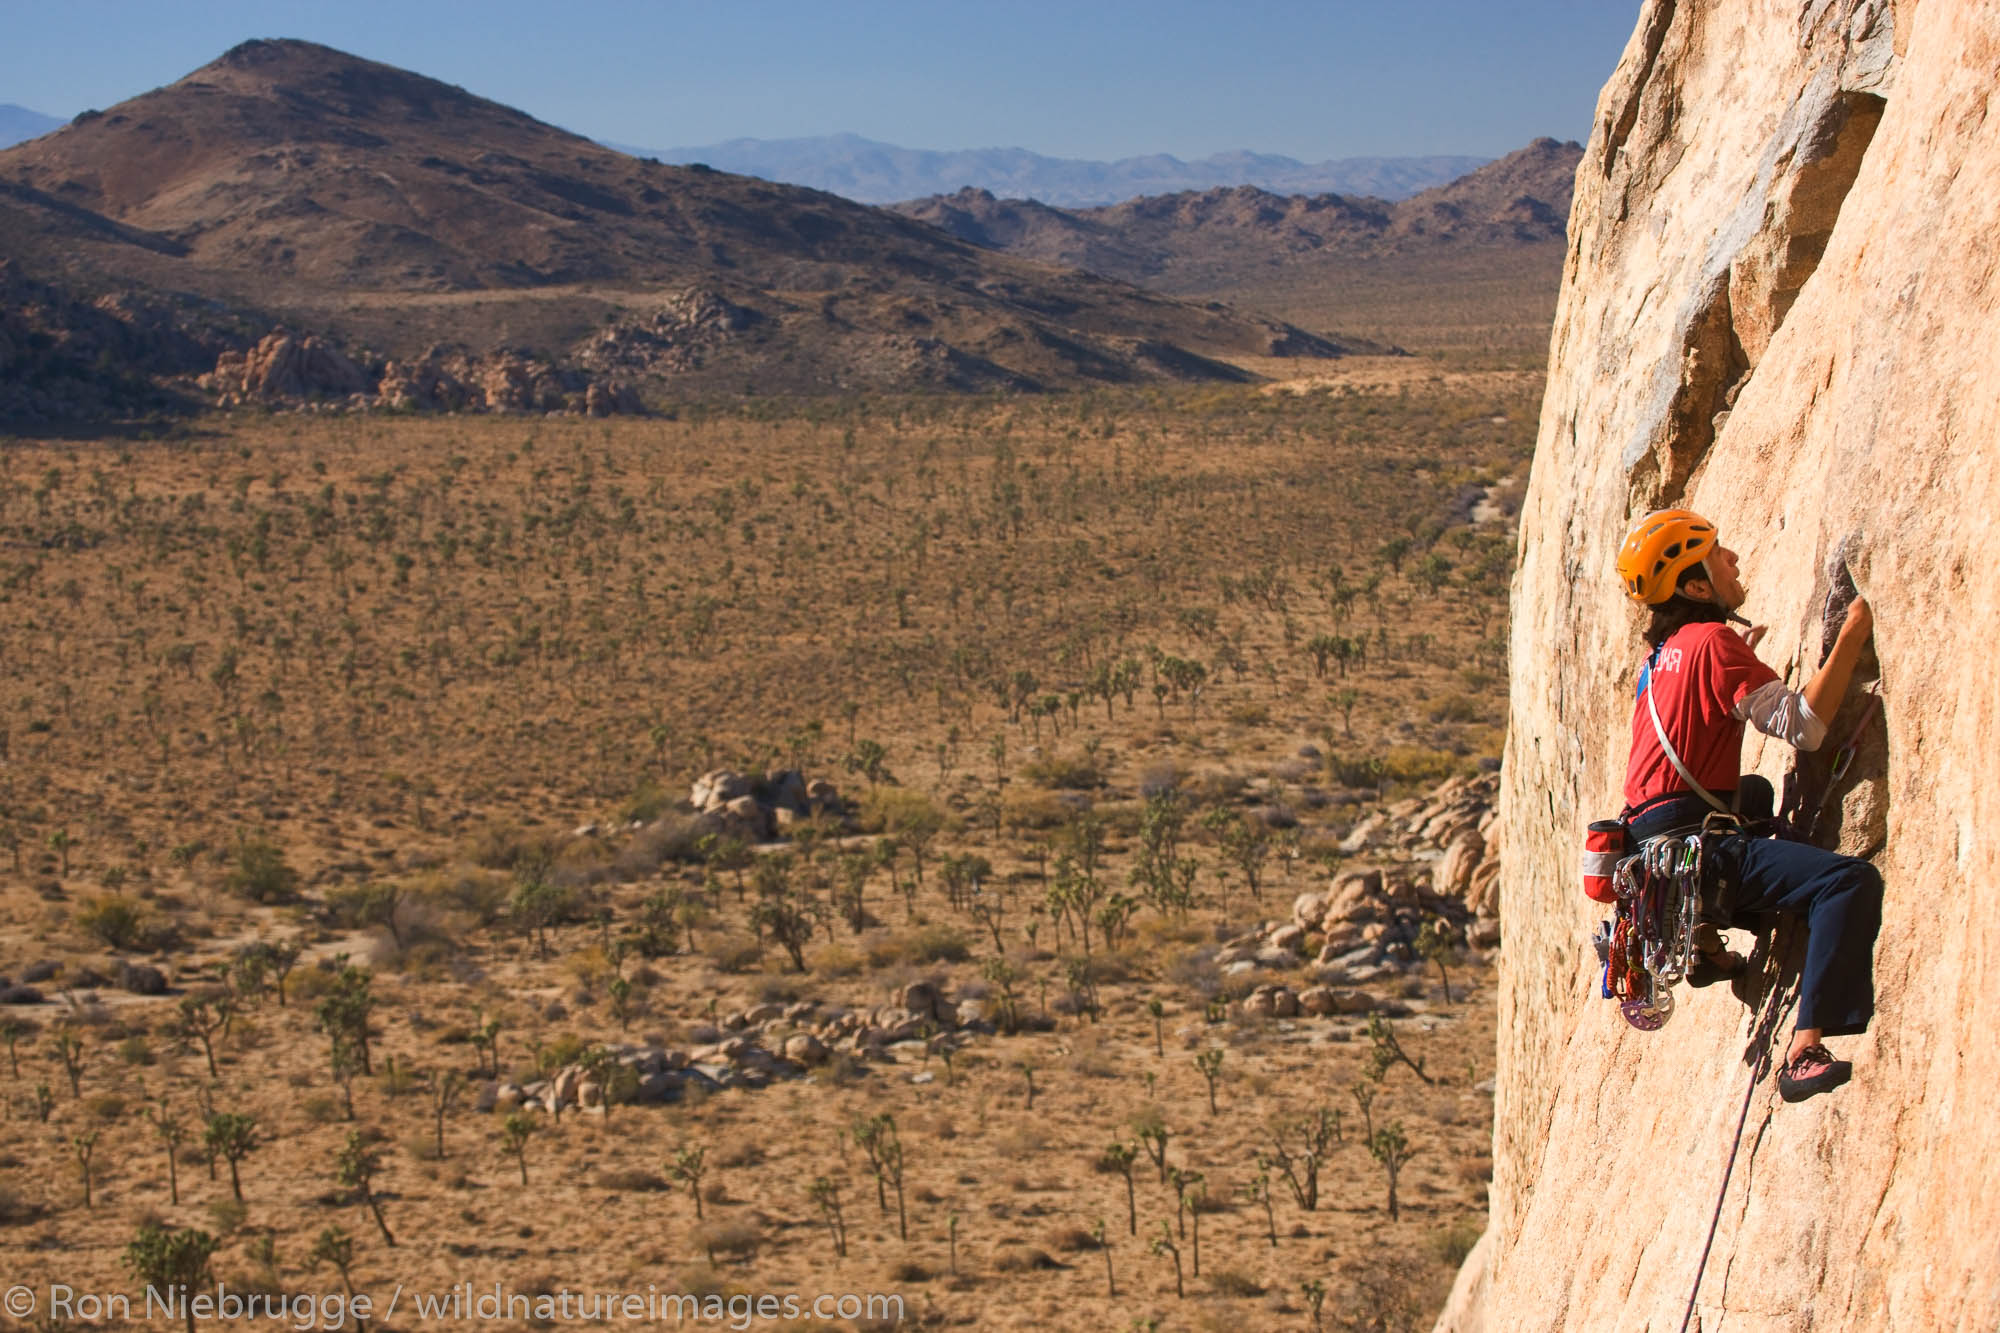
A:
(1840, 898)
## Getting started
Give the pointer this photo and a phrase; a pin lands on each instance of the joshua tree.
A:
(1120, 1157)
(355, 1167)
(231, 1137)
(1164, 1244)
(1298, 1151)
(1159, 1013)
(171, 1131)
(1438, 941)
(335, 1247)
(1193, 1188)
(1388, 1052)
(343, 1013)
(1258, 1190)
(346, 1065)
(1209, 1062)
(1314, 1290)
(787, 916)
(69, 1049)
(514, 1135)
(11, 1032)
(202, 1017)
(446, 1090)
(826, 1193)
(170, 1260)
(1391, 1148)
(83, 1146)
(1104, 1244)
(1151, 1127)
(1364, 1092)
(687, 1167)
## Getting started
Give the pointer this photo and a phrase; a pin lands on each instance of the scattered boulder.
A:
(141, 979)
(806, 1049)
(20, 995)
(1462, 857)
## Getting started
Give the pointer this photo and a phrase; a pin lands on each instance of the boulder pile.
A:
(289, 368)
(754, 1046)
(761, 809)
(1363, 927)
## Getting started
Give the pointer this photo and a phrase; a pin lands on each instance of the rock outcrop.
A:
(1779, 308)
(289, 369)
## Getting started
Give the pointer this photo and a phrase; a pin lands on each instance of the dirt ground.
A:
(261, 670)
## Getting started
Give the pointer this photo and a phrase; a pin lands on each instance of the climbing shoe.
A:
(1812, 1071)
(1722, 965)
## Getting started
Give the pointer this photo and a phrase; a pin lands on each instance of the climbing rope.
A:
(1715, 1218)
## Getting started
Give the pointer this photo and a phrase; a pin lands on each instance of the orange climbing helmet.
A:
(1659, 547)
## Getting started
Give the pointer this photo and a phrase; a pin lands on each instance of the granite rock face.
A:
(1780, 308)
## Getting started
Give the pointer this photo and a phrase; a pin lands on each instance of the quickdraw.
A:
(1650, 944)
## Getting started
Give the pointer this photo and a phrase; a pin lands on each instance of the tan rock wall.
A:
(1780, 307)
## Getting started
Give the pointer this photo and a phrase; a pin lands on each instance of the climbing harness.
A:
(1650, 943)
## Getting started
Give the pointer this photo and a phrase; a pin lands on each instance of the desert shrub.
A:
(1235, 1284)
(1454, 1241)
(728, 952)
(134, 1050)
(1415, 765)
(672, 837)
(1024, 809)
(500, 846)
(1248, 715)
(894, 809)
(1215, 787)
(482, 897)
(1457, 708)
(909, 1270)
(1072, 1240)
(114, 919)
(632, 1182)
(920, 947)
(736, 1239)
(648, 801)
(1065, 772)
(321, 1109)
(1159, 779)
(740, 1151)
(1017, 1258)
(260, 872)
(836, 960)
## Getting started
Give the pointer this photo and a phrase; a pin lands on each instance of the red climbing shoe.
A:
(1812, 1071)
(1722, 965)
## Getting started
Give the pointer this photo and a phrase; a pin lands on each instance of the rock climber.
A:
(1706, 681)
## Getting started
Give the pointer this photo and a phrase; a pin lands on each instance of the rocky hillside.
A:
(287, 182)
(1778, 309)
(1194, 240)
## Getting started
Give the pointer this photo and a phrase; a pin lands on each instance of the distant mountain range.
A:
(871, 172)
(17, 124)
(1199, 241)
(290, 183)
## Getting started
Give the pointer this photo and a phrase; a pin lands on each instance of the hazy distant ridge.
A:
(871, 172)
(18, 124)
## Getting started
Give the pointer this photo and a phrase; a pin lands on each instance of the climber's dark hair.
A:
(1678, 612)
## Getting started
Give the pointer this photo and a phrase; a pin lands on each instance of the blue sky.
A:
(1078, 79)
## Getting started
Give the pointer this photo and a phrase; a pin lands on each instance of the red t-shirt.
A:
(1701, 673)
